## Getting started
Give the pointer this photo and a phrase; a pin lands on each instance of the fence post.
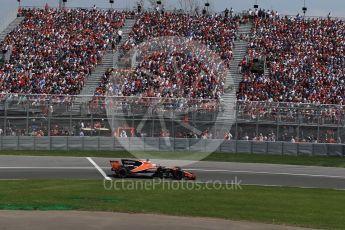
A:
(188, 142)
(114, 143)
(49, 116)
(50, 143)
(205, 143)
(236, 121)
(318, 124)
(159, 143)
(174, 147)
(282, 148)
(82, 143)
(67, 143)
(5, 119)
(143, 140)
(27, 119)
(327, 147)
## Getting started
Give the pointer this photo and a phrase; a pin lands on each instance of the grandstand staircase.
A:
(240, 51)
(234, 78)
(109, 60)
(14, 24)
(267, 72)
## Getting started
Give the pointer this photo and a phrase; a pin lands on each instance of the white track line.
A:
(98, 168)
(269, 173)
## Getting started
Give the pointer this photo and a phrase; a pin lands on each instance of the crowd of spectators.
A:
(171, 75)
(298, 122)
(172, 71)
(291, 113)
(215, 31)
(305, 58)
(143, 104)
(289, 134)
(53, 51)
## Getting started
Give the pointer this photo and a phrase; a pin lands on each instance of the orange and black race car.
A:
(126, 168)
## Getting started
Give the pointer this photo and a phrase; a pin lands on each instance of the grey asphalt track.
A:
(13, 220)
(23, 167)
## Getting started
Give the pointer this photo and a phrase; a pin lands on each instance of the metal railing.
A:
(57, 115)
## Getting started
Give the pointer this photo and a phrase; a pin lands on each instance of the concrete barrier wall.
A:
(169, 144)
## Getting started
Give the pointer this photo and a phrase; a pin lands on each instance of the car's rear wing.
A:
(115, 165)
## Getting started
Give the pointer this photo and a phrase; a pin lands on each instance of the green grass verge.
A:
(317, 208)
(221, 157)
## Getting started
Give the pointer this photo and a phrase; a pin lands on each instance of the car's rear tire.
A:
(177, 174)
(159, 173)
(122, 173)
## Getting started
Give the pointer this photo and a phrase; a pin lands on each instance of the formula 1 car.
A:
(126, 168)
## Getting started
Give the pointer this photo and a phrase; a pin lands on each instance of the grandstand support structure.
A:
(109, 60)
(14, 24)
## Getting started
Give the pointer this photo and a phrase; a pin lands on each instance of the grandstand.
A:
(68, 73)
